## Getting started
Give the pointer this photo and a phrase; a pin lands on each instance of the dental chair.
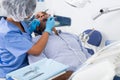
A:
(106, 44)
(104, 65)
(95, 39)
(91, 37)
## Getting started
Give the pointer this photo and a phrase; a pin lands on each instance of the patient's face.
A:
(42, 16)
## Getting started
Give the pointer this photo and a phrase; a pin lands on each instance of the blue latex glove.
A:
(33, 25)
(49, 24)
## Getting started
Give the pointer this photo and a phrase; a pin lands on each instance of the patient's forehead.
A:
(41, 13)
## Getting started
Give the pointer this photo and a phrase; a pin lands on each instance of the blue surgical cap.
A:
(19, 9)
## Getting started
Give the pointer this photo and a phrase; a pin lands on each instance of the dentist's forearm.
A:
(39, 46)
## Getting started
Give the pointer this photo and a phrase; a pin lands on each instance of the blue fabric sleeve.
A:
(17, 44)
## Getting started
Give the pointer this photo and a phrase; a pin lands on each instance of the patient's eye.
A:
(37, 16)
(42, 16)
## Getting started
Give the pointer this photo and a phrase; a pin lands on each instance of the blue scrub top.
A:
(13, 47)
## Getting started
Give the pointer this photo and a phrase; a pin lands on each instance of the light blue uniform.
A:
(65, 48)
(13, 47)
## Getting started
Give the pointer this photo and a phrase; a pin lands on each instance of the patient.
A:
(63, 47)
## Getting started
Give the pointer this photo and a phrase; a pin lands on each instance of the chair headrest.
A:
(95, 37)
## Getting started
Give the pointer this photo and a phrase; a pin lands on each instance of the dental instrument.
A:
(45, 10)
(106, 10)
(35, 76)
(31, 70)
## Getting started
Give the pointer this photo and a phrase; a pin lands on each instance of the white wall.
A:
(108, 24)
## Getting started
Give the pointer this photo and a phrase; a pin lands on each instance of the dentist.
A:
(15, 37)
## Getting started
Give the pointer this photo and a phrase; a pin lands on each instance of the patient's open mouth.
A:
(44, 20)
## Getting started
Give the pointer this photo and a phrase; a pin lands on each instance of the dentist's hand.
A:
(50, 24)
(33, 25)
